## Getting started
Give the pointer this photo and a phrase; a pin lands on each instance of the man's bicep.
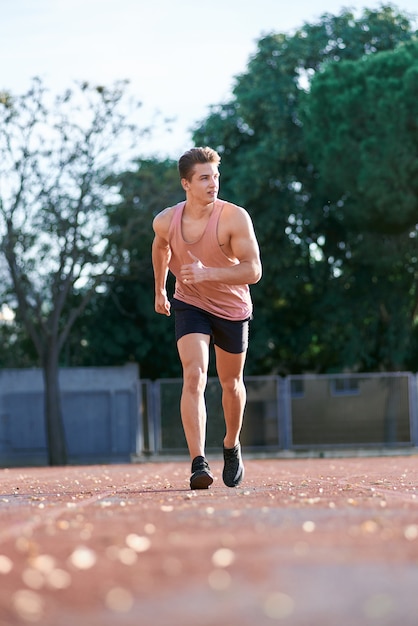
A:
(244, 242)
(159, 241)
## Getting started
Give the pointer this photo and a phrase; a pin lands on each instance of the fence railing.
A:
(304, 412)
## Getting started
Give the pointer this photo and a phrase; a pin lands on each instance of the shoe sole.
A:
(201, 480)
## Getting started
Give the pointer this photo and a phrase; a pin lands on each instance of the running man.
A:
(211, 248)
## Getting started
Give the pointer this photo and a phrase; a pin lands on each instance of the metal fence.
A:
(309, 412)
(111, 416)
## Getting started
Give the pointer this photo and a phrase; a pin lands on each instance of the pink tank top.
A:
(231, 302)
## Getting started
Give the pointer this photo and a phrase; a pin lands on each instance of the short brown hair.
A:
(193, 156)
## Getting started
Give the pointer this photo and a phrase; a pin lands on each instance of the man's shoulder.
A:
(164, 217)
(165, 213)
(231, 210)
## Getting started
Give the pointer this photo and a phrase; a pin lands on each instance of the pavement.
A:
(301, 542)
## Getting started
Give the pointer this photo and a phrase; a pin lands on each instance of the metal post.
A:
(413, 410)
(284, 413)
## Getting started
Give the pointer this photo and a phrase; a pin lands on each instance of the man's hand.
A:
(162, 304)
(194, 272)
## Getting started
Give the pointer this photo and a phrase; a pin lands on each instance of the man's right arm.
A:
(161, 255)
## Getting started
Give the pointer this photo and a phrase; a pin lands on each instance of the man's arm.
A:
(240, 244)
(161, 255)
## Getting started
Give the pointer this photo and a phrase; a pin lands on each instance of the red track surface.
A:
(305, 542)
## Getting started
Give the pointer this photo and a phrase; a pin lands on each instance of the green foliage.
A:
(120, 324)
(361, 127)
(16, 348)
(303, 312)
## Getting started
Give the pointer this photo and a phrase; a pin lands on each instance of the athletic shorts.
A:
(231, 336)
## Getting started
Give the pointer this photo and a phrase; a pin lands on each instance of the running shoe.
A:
(233, 471)
(201, 476)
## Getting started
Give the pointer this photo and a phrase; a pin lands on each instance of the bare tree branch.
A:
(54, 158)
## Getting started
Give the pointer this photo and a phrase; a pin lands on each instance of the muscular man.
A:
(211, 248)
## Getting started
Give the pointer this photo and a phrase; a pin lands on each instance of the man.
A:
(211, 248)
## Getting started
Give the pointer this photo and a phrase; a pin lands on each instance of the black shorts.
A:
(231, 336)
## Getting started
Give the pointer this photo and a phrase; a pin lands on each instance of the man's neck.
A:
(197, 209)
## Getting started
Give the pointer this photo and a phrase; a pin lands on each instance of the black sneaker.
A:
(233, 472)
(201, 476)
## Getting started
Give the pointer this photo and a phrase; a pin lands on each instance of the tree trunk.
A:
(57, 448)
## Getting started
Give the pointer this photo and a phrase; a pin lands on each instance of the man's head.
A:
(192, 157)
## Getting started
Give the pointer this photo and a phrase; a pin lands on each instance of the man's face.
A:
(204, 184)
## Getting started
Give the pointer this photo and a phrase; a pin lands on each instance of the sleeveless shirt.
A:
(231, 302)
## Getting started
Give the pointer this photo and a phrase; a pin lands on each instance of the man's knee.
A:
(194, 380)
(233, 385)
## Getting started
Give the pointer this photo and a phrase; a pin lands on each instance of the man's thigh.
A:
(230, 366)
(193, 349)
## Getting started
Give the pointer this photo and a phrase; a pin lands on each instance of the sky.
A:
(180, 56)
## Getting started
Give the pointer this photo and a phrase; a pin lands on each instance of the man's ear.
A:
(185, 184)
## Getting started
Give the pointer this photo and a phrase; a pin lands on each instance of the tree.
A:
(55, 153)
(360, 122)
(120, 324)
(267, 169)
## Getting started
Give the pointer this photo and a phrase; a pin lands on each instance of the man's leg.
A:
(230, 368)
(194, 356)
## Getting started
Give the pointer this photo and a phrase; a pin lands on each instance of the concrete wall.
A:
(101, 412)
